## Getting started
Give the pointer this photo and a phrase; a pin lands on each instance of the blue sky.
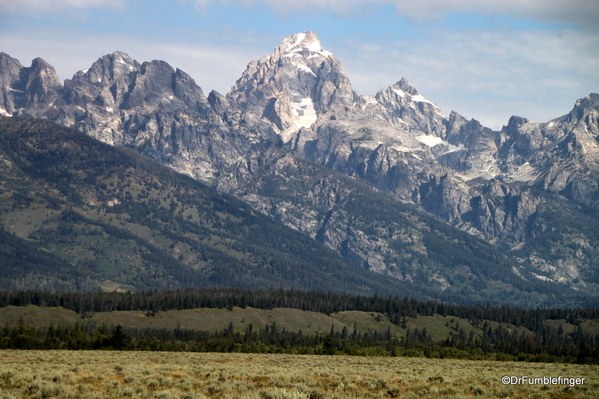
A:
(487, 60)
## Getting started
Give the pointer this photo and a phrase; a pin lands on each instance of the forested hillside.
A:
(267, 321)
(78, 214)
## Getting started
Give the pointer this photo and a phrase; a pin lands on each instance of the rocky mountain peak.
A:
(10, 84)
(304, 44)
(515, 122)
(158, 86)
(294, 86)
(407, 93)
(104, 84)
(586, 110)
(406, 108)
(8, 64)
(108, 68)
(405, 86)
(590, 101)
(42, 82)
(218, 101)
(35, 87)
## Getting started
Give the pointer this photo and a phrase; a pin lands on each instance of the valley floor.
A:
(170, 375)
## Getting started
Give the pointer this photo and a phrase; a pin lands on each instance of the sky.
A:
(486, 59)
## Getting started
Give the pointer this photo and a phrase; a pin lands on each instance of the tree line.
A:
(495, 344)
(395, 308)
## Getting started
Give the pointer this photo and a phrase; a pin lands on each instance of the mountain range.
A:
(390, 183)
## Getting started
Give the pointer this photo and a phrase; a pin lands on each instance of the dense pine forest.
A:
(315, 301)
(541, 341)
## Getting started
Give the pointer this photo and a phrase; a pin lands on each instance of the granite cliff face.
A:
(32, 88)
(530, 189)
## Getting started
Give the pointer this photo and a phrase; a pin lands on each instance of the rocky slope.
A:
(530, 189)
(505, 186)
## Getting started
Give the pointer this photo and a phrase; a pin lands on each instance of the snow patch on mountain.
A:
(420, 98)
(305, 69)
(399, 92)
(430, 141)
(305, 112)
(433, 141)
(305, 116)
(298, 38)
(307, 41)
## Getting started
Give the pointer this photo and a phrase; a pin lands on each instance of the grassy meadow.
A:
(439, 327)
(113, 374)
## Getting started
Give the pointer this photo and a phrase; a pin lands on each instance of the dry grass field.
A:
(175, 375)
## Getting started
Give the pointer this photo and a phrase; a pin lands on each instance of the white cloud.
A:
(55, 5)
(583, 12)
(487, 75)
(572, 11)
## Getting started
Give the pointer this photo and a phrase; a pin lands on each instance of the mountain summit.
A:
(295, 85)
(305, 44)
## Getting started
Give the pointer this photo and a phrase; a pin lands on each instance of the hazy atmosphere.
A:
(487, 61)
